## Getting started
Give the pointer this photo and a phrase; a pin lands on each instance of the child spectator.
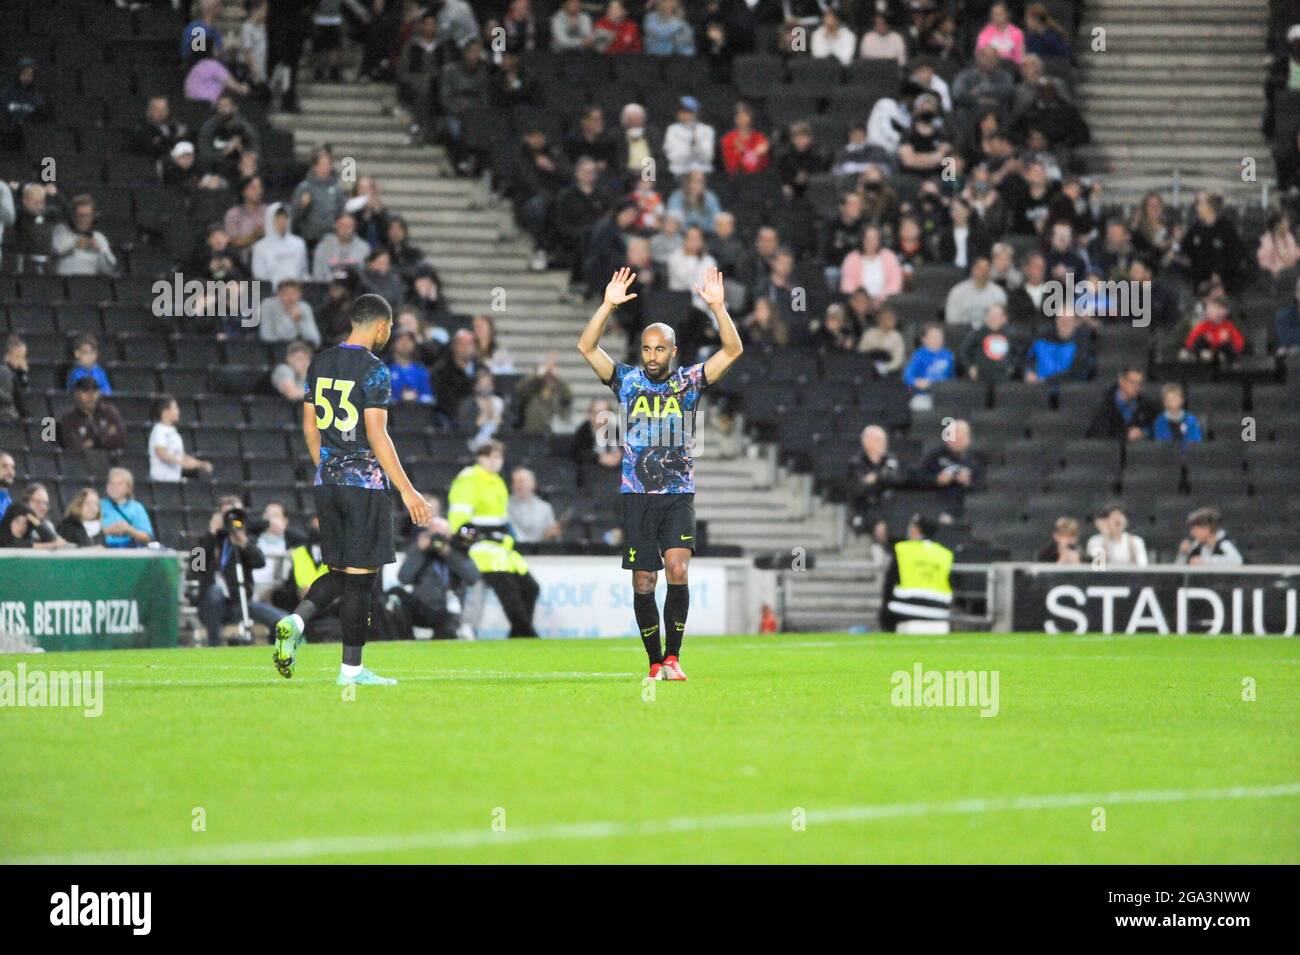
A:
(1113, 540)
(167, 458)
(1175, 423)
(1207, 542)
(1064, 548)
(1215, 336)
(931, 362)
(85, 351)
(411, 380)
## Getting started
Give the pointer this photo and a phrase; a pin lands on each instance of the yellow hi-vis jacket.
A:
(479, 498)
(924, 587)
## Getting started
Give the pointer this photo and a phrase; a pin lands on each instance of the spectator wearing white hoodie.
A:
(688, 143)
(279, 254)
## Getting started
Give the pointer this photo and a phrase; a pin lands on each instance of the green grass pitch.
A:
(779, 749)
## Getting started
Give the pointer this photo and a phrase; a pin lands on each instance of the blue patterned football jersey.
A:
(342, 383)
(657, 428)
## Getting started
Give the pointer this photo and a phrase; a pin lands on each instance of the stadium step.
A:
(1179, 87)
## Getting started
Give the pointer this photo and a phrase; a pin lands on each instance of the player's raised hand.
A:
(712, 290)
(417, 507)
(616, 290)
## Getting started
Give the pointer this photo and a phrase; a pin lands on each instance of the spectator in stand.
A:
(540, 171)
(1112, 252)
(965, 239)
(782, 289)
(1207, 543)
(1113, 545)
(411, 381)
(483, 413)
(13, 380)
(1212, 245)
(156, 134)
(992, 352)
(577, 209)
(453, 375)
(491, 353)
(688, 143)
(882, 342)
(882, 42)
(834, 332)
(638, 143)
(616, 33)
(984, 85)
(1065, 354)
(201, 34)
(39, 214)
(665, 30)
(532, 518)
(126, 522)
(1286, 325)
(571, 30)
(21, 103)
(592, 141)
(8, 471)
(1277, 246)
(379, 278)
(930, 363)
(290, 376)
(82, 524)
(286, 316)
(1062, 257)
(91, 424)
(745, 150)
(340, 252)
(464, 88)
(969, 300)
(208, 80)
(406, 257)
(1175, 423)
(1153, 233)
(1125, 413)
(872, 475)
(954, 468)
(430, 339)
(833, 38)
(606, 243)
(1028, 304)
(1001, 35)
(25, 522)
(694, 204)
(245, 223)
(279, 254)
(543, 398)
(925, 147)
(418, 68)
(252, 45)
(225, 550)
(318, 200)
(85, 356)
(841, 236)
(426, 296)
(456, 21)
(78, 248)
(595, 446)
(764, 326)
(1064, 548)
(1215, 337)
(686, 270)
(873, 268)
(1043, 35)
(275, 540)
(168, 461)
(800, 160)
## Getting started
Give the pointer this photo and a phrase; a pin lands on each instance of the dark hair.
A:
(86, 383)
(370, 308)
(1205, 517)
(160, 404)
(30, 491)
(81, 340)
(489, 447)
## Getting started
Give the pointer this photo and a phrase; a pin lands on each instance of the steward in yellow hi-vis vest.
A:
(476, 510)
(918, 586)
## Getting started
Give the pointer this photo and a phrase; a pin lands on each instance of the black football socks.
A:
(647, 621)
(324, 590)
(354, 615)
(676, 604)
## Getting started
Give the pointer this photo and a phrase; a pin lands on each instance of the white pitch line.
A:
(780, 820)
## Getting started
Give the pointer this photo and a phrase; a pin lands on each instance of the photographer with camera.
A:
(437, 568)
(228, 559)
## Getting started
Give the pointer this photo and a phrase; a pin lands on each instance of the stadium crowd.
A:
(889, 187)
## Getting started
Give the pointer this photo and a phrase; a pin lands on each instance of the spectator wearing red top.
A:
(1215, 336)
(745, 151)
(615, 33)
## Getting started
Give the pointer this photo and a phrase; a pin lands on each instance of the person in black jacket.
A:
(953, 468)
(82, 525)
(437, 572)
(156, 134)
(1124, 413)
(224, 551)
(872, 475)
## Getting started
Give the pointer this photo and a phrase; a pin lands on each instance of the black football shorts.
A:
(654, 523)
(356, 525)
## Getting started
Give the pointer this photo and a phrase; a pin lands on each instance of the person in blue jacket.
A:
(1175, 423)
(1064, 355)
(931, 362)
